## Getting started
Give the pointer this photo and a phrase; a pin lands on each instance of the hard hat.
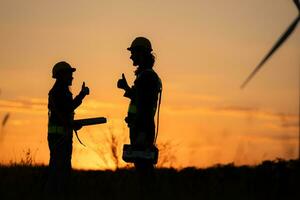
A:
(140, 43)
(61, 67)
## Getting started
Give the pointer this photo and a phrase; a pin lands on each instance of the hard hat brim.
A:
(70, 69)
(139, 48)
(73, 69)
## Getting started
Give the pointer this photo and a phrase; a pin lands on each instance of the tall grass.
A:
(277, 179)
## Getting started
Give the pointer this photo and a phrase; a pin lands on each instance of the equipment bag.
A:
(133, 154)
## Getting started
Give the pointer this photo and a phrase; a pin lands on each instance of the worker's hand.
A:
(85, 90)
(122, 83)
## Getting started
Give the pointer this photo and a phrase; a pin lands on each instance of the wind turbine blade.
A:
(4, 121)
(281, 40)
(297, 3)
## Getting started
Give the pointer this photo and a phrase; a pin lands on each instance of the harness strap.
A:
(159, 102)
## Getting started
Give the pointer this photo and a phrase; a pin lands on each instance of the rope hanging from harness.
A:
(158, 108)
(78, 138)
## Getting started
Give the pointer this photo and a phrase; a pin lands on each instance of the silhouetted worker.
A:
(143, 97)
(61, 107)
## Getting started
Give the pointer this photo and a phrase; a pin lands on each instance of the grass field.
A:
(270, 180)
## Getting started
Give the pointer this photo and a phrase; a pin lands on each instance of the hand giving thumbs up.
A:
(122, 83)
(85, 90)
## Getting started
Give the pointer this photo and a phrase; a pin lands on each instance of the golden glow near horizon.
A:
(204, 51)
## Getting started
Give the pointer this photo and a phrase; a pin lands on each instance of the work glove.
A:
(84, 90)
(122, 83)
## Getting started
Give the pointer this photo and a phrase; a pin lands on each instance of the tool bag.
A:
(133, 153)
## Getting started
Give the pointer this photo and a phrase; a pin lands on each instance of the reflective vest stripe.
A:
(132, 108)
(52, 129)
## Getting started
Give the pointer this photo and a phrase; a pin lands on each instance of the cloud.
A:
(24, 104)
(237, 109)
(285, 137)
(287, 120)
(257, 111)
(39, 106)
(92, 104)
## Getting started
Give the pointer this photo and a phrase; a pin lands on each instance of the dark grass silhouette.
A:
(277, 179)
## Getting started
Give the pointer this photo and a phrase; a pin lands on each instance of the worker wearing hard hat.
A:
(143, 97)
(61, 106)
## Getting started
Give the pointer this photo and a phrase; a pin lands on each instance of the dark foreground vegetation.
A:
(270, 180)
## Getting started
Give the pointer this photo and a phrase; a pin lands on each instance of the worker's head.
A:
(62, 71)
(141, 52)
(140, 43)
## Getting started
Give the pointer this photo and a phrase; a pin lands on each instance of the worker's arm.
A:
(122, 84)
(78, 99)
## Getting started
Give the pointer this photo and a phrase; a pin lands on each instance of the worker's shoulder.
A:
(59, 92)
(149, 74)
(55, 90)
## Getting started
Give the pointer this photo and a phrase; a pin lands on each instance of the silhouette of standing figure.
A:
(61, 106)
(143, 97)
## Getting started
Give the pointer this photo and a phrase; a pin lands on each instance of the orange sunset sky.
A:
(204, 51)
